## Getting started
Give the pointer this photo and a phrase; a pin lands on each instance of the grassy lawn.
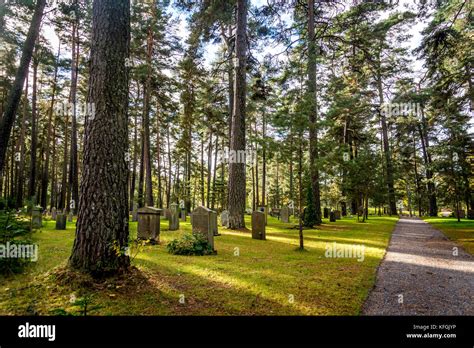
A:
(460, 232)
(246, 277)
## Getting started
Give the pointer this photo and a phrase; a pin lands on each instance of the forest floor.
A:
(246, 277)
(459, 232)
(423, 273)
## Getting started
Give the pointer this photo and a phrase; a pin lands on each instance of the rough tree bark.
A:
(313, 113)
(237, 191)
(102, 226)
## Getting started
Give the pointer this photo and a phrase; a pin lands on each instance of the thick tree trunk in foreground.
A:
(8, 118)
(102, 226)
(237, 190)
(313, 114)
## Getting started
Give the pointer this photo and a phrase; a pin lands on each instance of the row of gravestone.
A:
(203, 221)
(333, 215)
(60, 218)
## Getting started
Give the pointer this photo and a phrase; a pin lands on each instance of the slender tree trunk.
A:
(135, 154)
(158, 159)
(386, 146)
(20, 151)
(168, 193)
(202, 171)
(141, 174)
(34, 132)
(214, 173)
(209, 168)
(313, 113)
(8, 118)
(300, 191)
(102, 225)
(422, 128)
(264, 158)
(45, 175)
(73, 187)
(146, 123)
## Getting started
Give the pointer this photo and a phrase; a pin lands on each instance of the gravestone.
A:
(265, 211)
(337, 213)
(326, 213)
(201, 221)
(36, 217)
(343, 209)
(174, 217)
(258, 225)
(135, 212)
(285, 214)
(69, 217)
(275, 212)
(213, 221)
(61, 221)
(53, 213)
(183, 215)
(470, 214)
(461, 214)
(332, 216)
(149, 224)
(225, 218)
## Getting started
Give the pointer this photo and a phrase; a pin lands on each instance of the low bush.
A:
(190, 244)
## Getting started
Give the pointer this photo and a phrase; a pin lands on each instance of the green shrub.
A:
(13, 230)
(190, 244)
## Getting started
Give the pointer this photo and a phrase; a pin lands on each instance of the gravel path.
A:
(420, 275)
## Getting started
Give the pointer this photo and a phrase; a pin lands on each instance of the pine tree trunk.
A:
(102, 226)
(386, 146)
(34, 133)
(8, 117)
(237, 187)
(20, 150)
(146, 123)
(313, 113)
(422, 128)
(73, 187)
(45, 174)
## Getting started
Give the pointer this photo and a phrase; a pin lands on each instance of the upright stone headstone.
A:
(332, 216)
(225, 218)
(202, 224)
(70, 217)
(53, 213)
(149, 224)
(337, 213)
(174, 217)
(258, 225)
(61, 221)
(36, 217)
(326, 213)
(265, 211)
(183, 215)
(285, 214)
(213, 221)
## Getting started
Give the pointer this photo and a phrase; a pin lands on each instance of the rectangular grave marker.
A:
(258, 225)
(149, 224)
